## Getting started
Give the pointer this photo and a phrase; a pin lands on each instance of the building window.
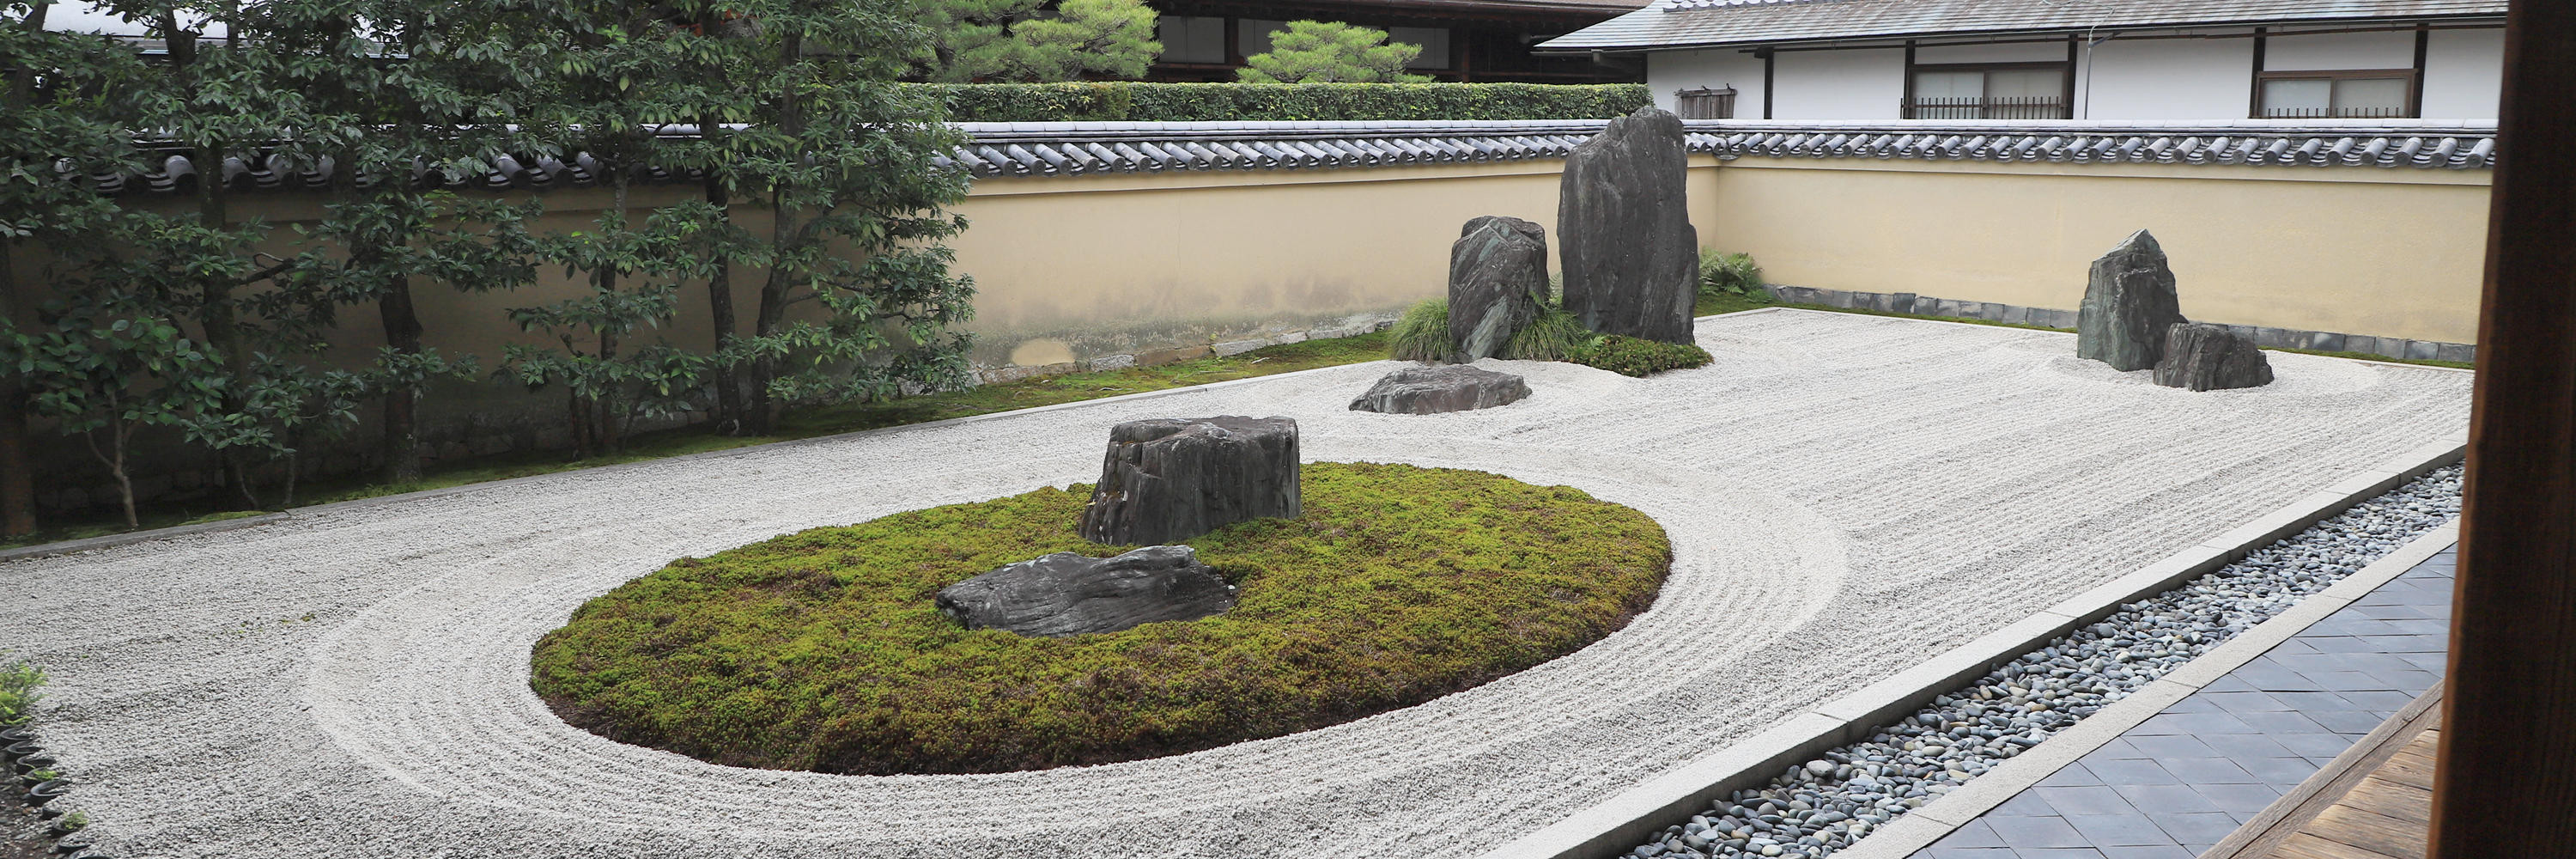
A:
(1705, 103)
(1191, 39)
(1252, 36)
(2003, 91)
(1434, 42)
(2382, 94)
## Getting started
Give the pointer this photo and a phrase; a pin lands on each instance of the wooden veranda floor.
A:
(2375, 801)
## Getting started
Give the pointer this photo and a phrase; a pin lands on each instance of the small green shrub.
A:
(1422, 333)
(822, 650)
(1552, 336)
(1730, 274)
(1630, 356)
(18, 695)
(1193, 102)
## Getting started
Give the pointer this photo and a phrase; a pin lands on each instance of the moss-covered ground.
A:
(821, 650)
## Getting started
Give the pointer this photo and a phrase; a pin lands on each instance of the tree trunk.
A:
(402, 398)
(17, 473)
(578, 411)
(720, 309)
(217, 314)
(783, 232)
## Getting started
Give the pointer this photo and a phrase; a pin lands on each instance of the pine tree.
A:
(1309, 52)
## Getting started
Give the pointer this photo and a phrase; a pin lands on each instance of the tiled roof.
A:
(1056, 149)
(2456, 146)
(1710, 23)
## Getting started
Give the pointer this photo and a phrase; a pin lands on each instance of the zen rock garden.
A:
(1631, 277)
(2132, 319)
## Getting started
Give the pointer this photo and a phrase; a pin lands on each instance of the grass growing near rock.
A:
(1631, 356)
(821, 650)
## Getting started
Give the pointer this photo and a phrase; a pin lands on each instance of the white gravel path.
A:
(1847, 494)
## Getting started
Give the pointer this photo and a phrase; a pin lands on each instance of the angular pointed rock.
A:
(2205, 357)
(2128, 303)
(1497, 280)
(1631, 257)
(1167, 480)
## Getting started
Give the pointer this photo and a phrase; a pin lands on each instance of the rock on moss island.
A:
(822, 650)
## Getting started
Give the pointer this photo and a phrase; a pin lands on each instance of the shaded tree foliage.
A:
(1035, 40)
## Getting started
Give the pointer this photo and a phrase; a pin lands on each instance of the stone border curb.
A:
(1617, 825)
(111, 541)
(1960, 807)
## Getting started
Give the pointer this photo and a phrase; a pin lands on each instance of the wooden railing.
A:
(2333, 112)
(2000, 107)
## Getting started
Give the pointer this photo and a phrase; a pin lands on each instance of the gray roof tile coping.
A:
(1085, 148)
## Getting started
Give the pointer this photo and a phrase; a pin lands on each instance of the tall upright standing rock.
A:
(1631, 256)
(2129, 302)
(1497, 280)
(1167, 480)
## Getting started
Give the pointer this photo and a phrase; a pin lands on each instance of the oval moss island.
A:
(821, 650)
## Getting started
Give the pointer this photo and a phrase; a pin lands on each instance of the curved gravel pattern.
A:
(1813, 810)
(1845, 494)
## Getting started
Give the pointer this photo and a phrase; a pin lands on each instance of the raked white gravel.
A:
(1846, 495)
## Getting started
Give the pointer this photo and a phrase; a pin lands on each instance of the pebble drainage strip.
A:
(1811, 811)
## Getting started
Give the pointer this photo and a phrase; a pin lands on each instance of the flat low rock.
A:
(1446, 388)
(2129, 301)
(1071, 594)
(1170, 479)
(2205, 357)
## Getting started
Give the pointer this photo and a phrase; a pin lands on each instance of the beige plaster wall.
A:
(2358, 250)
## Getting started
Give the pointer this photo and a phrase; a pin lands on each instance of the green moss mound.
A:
(821, 650)
(1630, 356)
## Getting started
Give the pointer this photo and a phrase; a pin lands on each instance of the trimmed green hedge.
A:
(822, 650)
(1179, 102)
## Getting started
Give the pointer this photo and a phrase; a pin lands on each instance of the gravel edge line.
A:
(1617, 825)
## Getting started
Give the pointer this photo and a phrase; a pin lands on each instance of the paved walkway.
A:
(2174, 785)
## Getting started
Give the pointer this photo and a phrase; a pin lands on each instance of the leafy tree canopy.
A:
(1023, 40)
(1325, 52)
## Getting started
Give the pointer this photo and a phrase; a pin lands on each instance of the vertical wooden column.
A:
(2506, 783)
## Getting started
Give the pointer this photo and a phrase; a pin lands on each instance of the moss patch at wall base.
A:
(822, 650)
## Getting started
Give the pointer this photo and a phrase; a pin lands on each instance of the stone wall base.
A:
(2264, 336)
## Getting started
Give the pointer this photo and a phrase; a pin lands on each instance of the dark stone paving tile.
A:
(2167, 852)
(2084, 801)
(2348, 722)
(2313, 745)
(2242, 746)
(2059, 853)
(2247, 702)
(2202, 828)
(2382, 700)
(2155, 799)
(2132, 772)
(2173, 746)
(2193, 704)
(2301, 702)
(2238, 800)
(2437, 663)
(2229, 683)
(1969, 853)
(2119, 830)
(2406, 680)
(2209, 770)
(2349, 643)
(2270, 676)
(2347, 681)
(2282, 771)
(1975, 834)
(2074, 775)
(2194, 723)
(2391, 612)
(2024, 804)
(2024, 833)
(2117, 749)
(2274, 724)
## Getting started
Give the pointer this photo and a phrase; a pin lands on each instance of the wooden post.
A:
(2506, 781)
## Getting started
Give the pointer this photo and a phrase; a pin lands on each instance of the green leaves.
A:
(1178, 102)
(1330, 52)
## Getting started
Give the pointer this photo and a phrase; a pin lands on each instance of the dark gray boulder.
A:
(2206, 357)
(1631, 257)
(1447, 388)
(1170, 479)
(2128, 303)
(1071, 594)
(1497, 280)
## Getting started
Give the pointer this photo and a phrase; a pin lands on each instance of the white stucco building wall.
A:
(2162, 76)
